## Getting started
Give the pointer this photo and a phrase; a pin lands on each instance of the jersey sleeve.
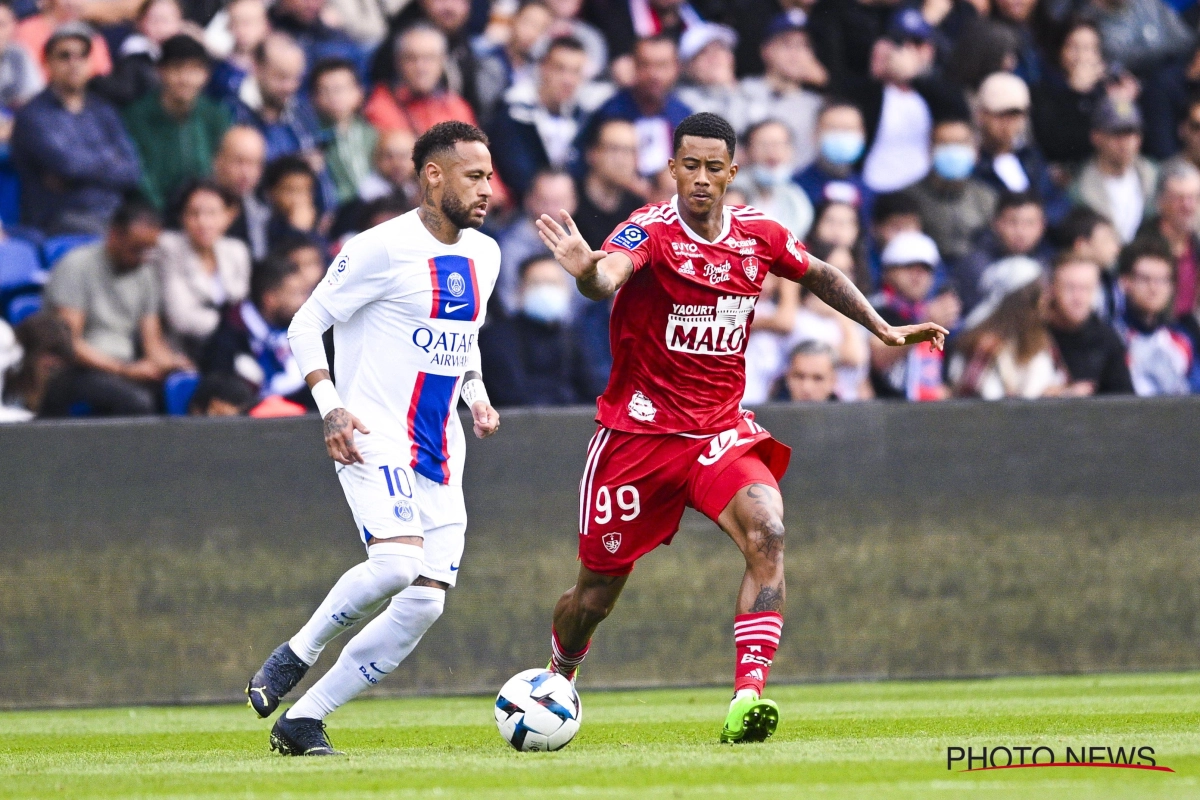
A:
(632, 240)
(789, 258)
(360, 274)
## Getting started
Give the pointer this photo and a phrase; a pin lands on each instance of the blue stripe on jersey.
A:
(428, 414)
(455, 290)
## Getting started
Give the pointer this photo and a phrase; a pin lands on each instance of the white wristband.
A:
(326, 396)
(473, 391)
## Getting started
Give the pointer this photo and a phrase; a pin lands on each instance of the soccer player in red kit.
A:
(686, 274)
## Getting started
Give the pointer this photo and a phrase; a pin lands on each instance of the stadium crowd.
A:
(175, 175)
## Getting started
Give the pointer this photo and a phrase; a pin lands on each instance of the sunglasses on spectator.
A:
(69, 55)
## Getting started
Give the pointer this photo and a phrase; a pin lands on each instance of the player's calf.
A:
(578, 613)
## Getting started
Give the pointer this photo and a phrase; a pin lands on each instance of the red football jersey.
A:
(679, 324)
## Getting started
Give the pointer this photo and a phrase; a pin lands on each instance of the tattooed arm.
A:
(340, 426)
(831, 285)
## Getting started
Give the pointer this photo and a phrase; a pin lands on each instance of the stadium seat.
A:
(19, 264)
(10, 193)
(56, 247)
(178, 390)
(22, 306)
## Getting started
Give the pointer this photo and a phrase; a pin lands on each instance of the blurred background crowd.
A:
(175, 176)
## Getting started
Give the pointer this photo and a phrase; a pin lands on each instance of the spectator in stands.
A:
(625, 22)
(608, 193)
(391, 185)
(365, 21)
(650, 103)
(503, 65)
(248, 27)
(891, 214)
(782, 91)
(220, 394)
(302, 20)
(844, 36)
(1161, 356)
(1017, 230)
(835, 176)
(20, 76)
(176, 130)
(1178, 202)
(533, 358)
(358, 216)
(551, 191)
(1142, 34)
(452, 18)
(1088, 236)
(45, 370)
(1091, 351)
(1018, 17)
(237, 168)
(955, 207)
(110, 300)
(34, 34)
(199, 269)
(767, 161)
(810, 374)
(899, 109)
(1189, 136)
(1007, 350)
(418, 101)
(566, 22)
(914, 372)
(270, 100)
(1117, 182)
(251, 341)
(134, 75)
(539, 120)
(306, 255)
(709, 78)
(70, 149)
(838, 225)
(290, 188)
(985, 46)
(350, 140)
(1008, 161)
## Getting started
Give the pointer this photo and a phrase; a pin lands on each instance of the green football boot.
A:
(750, 719)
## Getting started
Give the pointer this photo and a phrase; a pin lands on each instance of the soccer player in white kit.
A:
(406, 300)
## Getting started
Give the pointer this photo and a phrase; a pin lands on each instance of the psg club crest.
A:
(612, 541)
(456, 284)
(403, 511)
(750, 267)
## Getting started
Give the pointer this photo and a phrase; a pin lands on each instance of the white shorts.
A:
(388, 500)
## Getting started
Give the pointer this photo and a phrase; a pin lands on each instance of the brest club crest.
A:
(612, 541)
(750, 266)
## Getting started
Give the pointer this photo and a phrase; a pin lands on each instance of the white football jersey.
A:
(408, 309)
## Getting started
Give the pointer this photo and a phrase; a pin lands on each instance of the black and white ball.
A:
(538, 710)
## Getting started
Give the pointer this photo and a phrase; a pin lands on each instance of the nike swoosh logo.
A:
(451, 309)
(454, 567)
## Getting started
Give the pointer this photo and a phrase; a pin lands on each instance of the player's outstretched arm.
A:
(597, 273)
(831, 285)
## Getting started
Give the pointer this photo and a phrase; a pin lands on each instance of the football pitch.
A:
(848, 740)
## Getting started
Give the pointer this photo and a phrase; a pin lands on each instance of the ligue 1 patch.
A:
(337, 272)
(403, 511)
(750, 266)
(631, 237)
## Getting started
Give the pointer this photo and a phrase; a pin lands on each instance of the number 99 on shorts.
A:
(629, 504)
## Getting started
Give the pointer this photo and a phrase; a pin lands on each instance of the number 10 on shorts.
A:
(399, 482)
(627, 499)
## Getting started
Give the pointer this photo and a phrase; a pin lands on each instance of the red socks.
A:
(563, 662)
(755, 637)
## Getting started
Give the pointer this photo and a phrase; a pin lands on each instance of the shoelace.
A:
(311, 733)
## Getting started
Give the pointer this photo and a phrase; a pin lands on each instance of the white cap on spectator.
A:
(998, 281)
(1003, 91)
(701, 35)
(910, 247)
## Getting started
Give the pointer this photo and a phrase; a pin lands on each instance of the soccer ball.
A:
(538, 710)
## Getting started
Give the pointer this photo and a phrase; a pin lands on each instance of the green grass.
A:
(876, 740)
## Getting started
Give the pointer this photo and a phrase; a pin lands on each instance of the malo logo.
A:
(612, 541)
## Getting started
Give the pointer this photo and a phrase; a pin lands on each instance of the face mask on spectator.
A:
(546, 303)
(954, 162)
(841, 147)
(771, 176)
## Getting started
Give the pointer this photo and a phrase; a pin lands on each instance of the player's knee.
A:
(394, 565)
(418, 607)
(766, 541)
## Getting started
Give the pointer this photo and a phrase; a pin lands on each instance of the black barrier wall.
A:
(160, 561)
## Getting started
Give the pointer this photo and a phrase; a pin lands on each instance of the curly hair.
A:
(443, 137)
(706, 126)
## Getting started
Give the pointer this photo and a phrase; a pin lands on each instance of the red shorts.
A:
(635, 486)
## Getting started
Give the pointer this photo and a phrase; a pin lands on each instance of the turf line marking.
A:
(1074, 764)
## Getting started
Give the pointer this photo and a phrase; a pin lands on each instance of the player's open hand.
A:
(487, 420)
(340, 426)
(915, 334)
(568, 246)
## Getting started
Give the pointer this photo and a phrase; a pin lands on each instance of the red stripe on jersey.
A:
(437, 292)
(474, 287)
(416, 394)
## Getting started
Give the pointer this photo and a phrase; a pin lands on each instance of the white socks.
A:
(389, 568)
(374, 652)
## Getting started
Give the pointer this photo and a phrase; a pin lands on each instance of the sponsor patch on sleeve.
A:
(337, 271)
(631, 237)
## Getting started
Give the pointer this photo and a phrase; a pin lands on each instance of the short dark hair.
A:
(134, 210)
(758, 126)
(326, 66)
(442, 137)
(269, 275)
(529, 262)
(223, 386)
(658, 38)
(1079, 223)
(594, 130)
(706, 125)
(1067, 258)
(283, 167)
(1147, 246)
(894, 204)
(1016, 200)
(566, 42)
(206, 185)
(294, 242)
(183, 49)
